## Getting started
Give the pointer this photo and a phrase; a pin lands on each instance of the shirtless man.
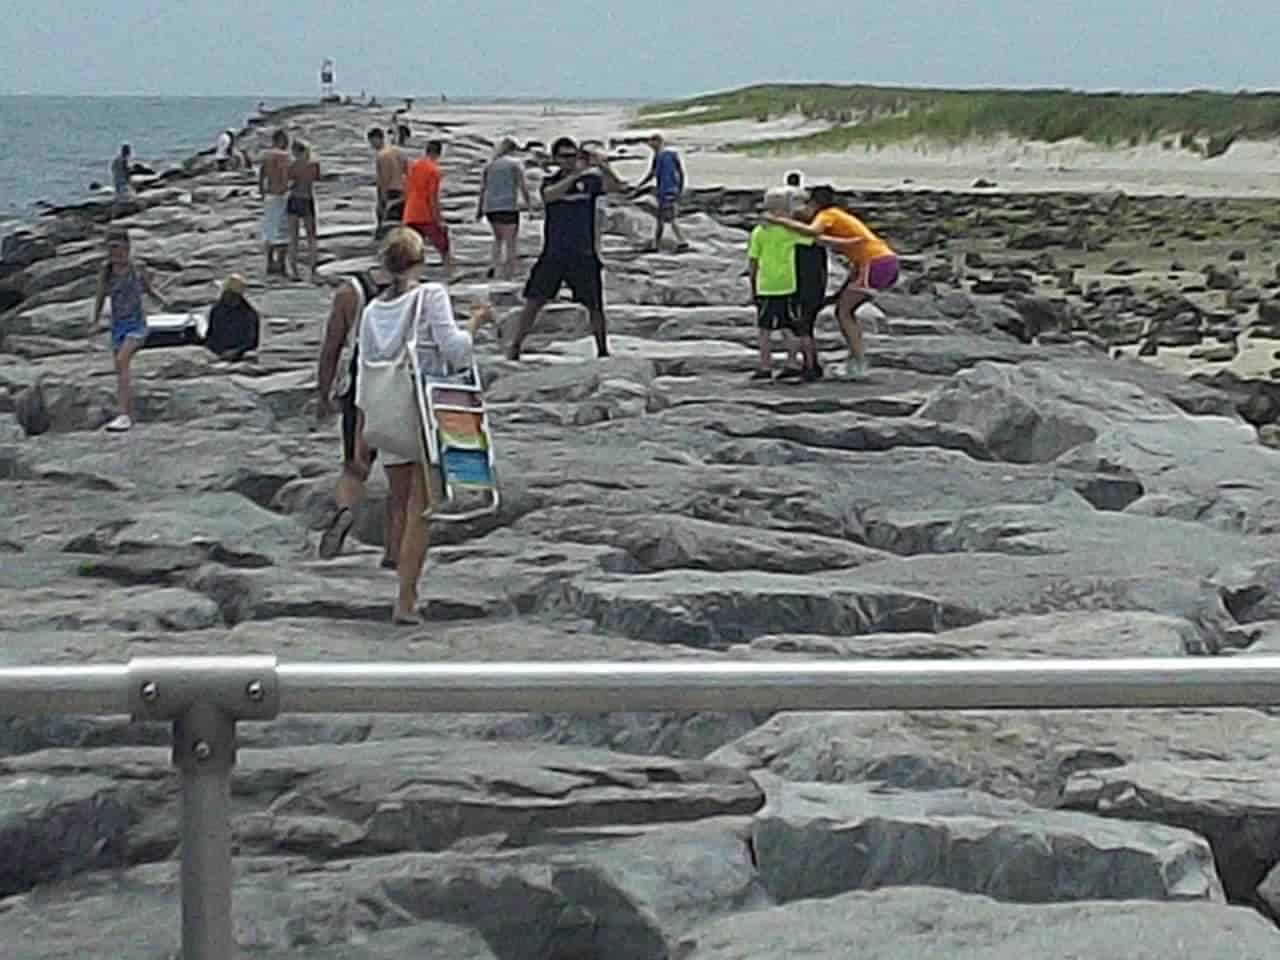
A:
(389, 167)
(273, 187)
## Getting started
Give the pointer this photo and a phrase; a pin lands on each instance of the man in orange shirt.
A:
(872, 266)
(422, 202)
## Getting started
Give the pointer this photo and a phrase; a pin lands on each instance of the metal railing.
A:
(205, 697)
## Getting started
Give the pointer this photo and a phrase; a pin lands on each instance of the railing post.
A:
(204, 751)
(204, 699)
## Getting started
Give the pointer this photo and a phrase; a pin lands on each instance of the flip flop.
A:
(336, 535)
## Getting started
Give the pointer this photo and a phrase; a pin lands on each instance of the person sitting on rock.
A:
(667, 172)
(125, 283)
(336, 385)
(872, 266)
(441, 342)
(771, 255)
(233, 322)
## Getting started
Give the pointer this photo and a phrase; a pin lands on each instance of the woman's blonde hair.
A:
(505, 146)
(402, 251)
(302, 149)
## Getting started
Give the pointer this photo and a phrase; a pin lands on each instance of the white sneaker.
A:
(120, 424)
(854, 369)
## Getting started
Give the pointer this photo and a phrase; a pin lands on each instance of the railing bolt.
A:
(202, 751)
(150, 692)
(255, 691)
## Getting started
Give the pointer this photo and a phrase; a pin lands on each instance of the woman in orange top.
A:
(872, 266)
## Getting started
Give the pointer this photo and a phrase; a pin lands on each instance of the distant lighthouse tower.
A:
(326, 80)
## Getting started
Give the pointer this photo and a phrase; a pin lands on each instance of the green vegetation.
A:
(1202, 121)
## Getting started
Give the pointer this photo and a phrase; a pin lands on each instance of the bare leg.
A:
(314, 244)
(791, 345)
(351, 487)
(657, 232)
(413, 548)
(600, 330)
(124, 389)
(809, 348)
(400, 483)
(766, 350)
(524, 325)
(846, 307)
(676, 232)
(511, 236)
(496, 253)
(293, 246)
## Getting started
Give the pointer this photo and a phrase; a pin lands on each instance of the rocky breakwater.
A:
(983, 493)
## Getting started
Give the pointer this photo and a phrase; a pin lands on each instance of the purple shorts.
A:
(883, 273)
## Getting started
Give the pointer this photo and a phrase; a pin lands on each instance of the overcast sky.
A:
(654, 48)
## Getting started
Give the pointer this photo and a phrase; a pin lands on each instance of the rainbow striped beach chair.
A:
(459, 446)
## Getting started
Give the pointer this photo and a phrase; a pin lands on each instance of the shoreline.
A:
(880, 178)
(38, 209)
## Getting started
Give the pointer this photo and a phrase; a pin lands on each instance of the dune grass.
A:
(1203, 121)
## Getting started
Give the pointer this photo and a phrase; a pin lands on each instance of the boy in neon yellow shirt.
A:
(772, 258)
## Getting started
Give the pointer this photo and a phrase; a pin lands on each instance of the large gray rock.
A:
(1236, 805)
(715, 610)
(923, 924)
(54, 827)
(819, 840)
(1084, 635)
(1018, 755)
(630, 898)
(406, 794)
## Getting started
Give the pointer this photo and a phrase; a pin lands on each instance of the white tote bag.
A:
(386, 391)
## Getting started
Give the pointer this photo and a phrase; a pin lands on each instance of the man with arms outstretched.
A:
(569, 252)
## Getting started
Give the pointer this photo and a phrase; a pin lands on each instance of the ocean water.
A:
(52, 148)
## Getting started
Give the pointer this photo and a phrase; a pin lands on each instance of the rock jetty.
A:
(1000, 485)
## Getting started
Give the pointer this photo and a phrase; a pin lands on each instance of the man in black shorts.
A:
(336, 383)
(569, 243)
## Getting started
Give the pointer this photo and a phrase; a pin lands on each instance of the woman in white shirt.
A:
(443, 346)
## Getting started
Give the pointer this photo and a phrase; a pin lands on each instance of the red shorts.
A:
(437, 234)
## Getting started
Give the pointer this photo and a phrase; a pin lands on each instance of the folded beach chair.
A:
(459, 445)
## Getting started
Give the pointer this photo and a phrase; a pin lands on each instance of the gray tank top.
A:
(501, 185)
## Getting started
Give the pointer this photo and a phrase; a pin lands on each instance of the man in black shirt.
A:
(569, 252)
